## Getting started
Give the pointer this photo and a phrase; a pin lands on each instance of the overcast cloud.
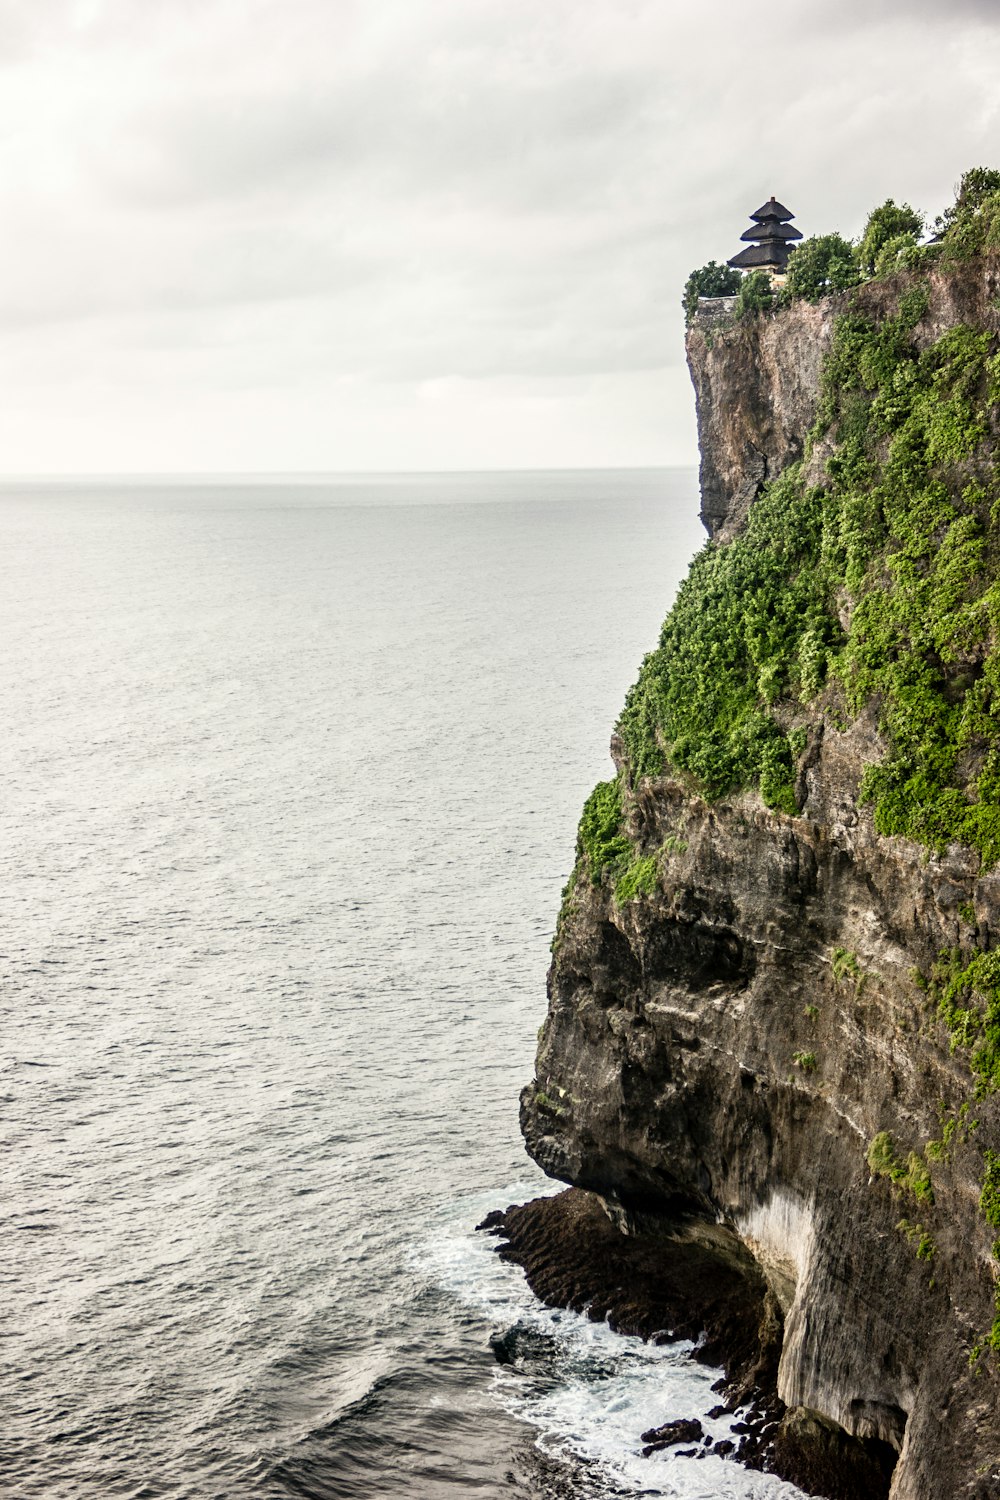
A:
(319, 234)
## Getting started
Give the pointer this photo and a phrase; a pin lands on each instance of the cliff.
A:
(774, 1004)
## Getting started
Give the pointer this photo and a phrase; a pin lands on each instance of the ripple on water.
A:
(291, 780)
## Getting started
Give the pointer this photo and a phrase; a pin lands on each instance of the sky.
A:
(324, 235)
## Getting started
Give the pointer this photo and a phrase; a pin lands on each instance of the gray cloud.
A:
(333, 199)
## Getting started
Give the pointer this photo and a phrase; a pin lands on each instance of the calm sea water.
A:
(291, 774)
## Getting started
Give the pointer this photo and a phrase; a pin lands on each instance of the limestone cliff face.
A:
(755, 390)
(756, 384)
(729, 1046)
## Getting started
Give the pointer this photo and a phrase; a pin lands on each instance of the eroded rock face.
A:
(755, 391)
(701, 1056)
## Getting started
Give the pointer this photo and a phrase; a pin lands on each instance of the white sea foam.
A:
(588, 1392)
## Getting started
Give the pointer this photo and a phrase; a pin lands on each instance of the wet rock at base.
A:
(686, 1430)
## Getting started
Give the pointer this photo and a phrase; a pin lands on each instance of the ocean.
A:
(291, 773)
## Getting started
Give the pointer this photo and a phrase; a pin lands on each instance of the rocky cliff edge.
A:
(753, 1032)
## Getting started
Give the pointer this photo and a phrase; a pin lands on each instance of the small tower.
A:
(771, 234)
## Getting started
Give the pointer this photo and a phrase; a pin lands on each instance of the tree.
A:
(975, 186)
(824, 263)
(712, 280)
(902, 253)
(756, 294)
(886, 223)
(972, 223)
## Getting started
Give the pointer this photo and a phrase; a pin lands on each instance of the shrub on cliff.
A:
(903, 253)
(972, 223)
(712, 280)
(735, 642)
(974, 191)
(603, 842)
(825, 263)
(756, 294)
(890, 221)
(600, 836)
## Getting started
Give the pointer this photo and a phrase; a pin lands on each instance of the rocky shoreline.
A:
(772, 1046)
(690, 1279)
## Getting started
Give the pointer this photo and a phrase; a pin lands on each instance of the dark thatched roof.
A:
(772, 230)
(773, 255)
(773, 210)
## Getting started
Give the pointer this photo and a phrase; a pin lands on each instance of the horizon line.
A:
(265, 476)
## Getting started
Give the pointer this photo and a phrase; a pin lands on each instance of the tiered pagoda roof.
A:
(770, 234)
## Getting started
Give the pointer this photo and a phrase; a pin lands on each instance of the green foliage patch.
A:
(910, 1176)
(972, 223)
(750, 625)
(712, 280)
(968, 996)
(989, 1198)
(894, 225)
(824, 263)
(756, 294)
(605, 847)
(919, 1238)
(640, 878)
(601, 837)
(903, 541)
(845, 967)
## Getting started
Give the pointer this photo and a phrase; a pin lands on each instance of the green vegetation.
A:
(845, 967)
(750, 626)
(603, 842)
(756, 294)
(712, 280)
(904, 543)
(807, 1061)
(601, 836)
(956, 1127)
(972, 223)
(914, 548)
(890, 229)
(910, 1176)
(919, 1237)
(989, 1198)
(968, 996)
(825, 263)
(640, 878)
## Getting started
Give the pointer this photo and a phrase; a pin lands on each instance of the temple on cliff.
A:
(771, 234)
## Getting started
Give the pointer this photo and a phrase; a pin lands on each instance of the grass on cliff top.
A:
(882, 582)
